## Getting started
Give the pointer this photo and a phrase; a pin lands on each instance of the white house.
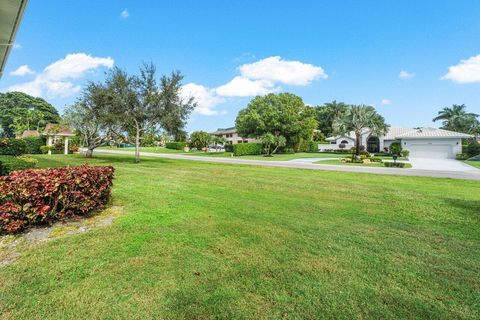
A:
(421, 142)
(232, 136)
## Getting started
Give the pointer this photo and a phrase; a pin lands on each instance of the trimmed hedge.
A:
(33, 197)
(12, 147)
(228, 147)
(394, 164)
(33, 144)
(243, 149)
(179, 145)
(11, 163)
(462, 156)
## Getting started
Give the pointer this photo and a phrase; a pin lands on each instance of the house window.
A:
(344, 142)
(239, 141)
(333, 142)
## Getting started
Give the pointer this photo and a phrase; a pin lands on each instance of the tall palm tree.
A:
(357, 118)
(457, 118)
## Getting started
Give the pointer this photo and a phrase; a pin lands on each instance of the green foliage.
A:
(462, 156)
(20, 111)
(45, 149)
(473, 148)
(326, 114)
(148, 140)
(12, 147)
(177, 145)
(375, 159)
(200, 139)
(228, 147)
(456, 118)
(282, 114)
(357, 118)
(243, 149)
(271, 143)
(394, 164)
(11, 163)
(405, 152)
(395, 148)
(33, 144)
(285, 150)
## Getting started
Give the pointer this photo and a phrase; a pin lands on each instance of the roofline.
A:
(9, 44)
(466, 136)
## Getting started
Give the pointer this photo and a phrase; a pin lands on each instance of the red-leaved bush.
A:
(42, 196)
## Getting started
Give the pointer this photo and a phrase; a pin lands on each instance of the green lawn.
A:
(276, 157)
(473, 163)
(145, 149)
(207, 240)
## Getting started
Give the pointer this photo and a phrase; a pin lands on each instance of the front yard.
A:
(202, 240)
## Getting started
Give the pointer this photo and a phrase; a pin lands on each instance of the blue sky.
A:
(414, 56)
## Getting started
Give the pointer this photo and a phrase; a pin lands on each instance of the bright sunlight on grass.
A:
(201, 240)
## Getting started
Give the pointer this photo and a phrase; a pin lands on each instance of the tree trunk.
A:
(357, 143)
(89, 153)
(137, 146)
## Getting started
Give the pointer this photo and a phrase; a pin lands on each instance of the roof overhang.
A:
(11, 12)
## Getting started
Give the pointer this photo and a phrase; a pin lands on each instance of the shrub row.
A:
(176, 145)
(394, 164)
(462, 156)
(228, 147)
(33, 144)
(12, 147)
(32, 197)
(11, 163)
(243, 149)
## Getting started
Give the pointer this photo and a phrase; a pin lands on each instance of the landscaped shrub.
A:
(33, 144)
(375, 159)
(405, 153)
(32, 197)
(342, 151)
(243, 149)
(395, 148)
(178, 145)
(285, 150)
(45, 149)
(11, 163)
(462, 156)
(12, 147)
(394, 164)
(473, 148)
(228, 147)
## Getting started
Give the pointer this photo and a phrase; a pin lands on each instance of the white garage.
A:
(430, 150)
(432, 143)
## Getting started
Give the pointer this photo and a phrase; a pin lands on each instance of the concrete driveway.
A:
(441, 165)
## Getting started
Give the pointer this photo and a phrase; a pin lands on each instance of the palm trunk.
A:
(357, 143)
(137, 146)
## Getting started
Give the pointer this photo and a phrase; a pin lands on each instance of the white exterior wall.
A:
(455, 145)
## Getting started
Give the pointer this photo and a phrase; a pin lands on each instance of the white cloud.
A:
(56, 79)
(288, 72)
(257, 78)
(466, 71)
(244, 87)
(17, 46)
(386, 101)
(125, 14)
(206, 98)
(21, 71)
(405, 75)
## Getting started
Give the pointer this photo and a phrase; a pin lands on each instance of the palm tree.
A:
(357, 118)
(456, 118)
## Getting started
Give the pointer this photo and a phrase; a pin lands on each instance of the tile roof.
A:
(428, 132)
(57, 130)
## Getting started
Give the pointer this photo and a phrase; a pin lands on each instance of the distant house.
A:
(28, 133)
(421, 142)
(232, 136)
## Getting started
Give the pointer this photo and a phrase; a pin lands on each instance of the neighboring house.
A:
(421, 142)
(28, 133)
(232, 136)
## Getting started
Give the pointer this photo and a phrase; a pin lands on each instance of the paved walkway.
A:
(312, 166)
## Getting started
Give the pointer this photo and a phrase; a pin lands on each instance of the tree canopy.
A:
(200, 139)
(456, 118)
(282, 114)
(358, 118)
(327, 113)
(20, 111)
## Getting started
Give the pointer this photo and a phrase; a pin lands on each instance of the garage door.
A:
(437, 151)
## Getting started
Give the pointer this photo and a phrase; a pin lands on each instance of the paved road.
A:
(312, 166)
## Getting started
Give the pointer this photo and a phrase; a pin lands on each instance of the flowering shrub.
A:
(32, 197)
